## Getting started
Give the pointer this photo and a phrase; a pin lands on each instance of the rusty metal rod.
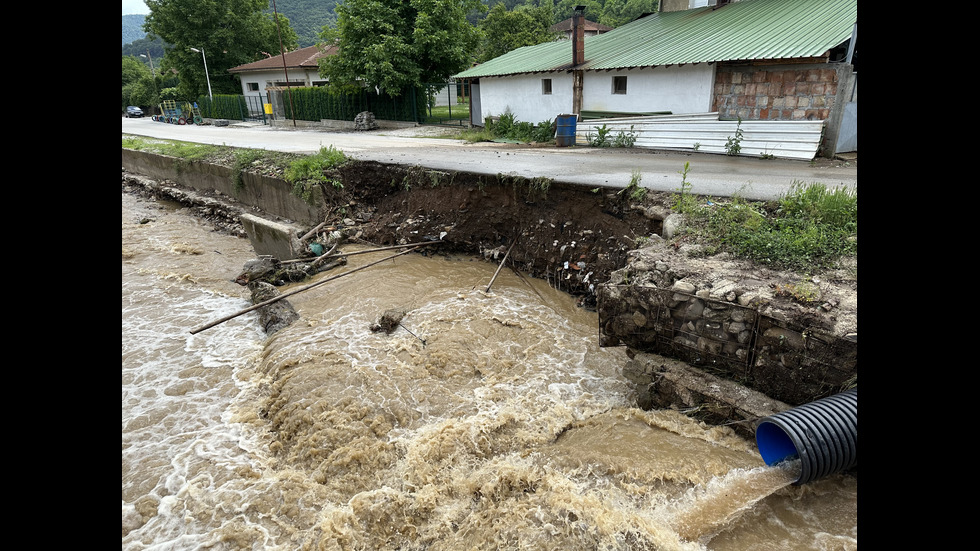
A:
(501, 266)
(327, 254)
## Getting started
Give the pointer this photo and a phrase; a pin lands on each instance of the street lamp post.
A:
(147, 56)
(152, 71)
(206, 76)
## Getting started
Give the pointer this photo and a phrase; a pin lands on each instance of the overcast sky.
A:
(134, 6)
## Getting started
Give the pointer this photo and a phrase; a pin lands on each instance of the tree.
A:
(137, 83)
(612, 13)
(396, 44)
(615, 14)
(504, 30)
(230, 33)
(566, 8)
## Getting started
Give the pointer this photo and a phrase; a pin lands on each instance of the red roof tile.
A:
(297, 59)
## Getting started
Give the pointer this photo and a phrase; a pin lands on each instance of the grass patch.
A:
(445, 112)
(475, 135)
(808, 229)
(310, 171)
(182, 150)
(302, 171)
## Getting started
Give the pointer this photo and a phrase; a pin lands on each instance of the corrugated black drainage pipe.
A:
(822, 434)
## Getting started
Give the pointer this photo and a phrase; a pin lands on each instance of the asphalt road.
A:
(708, 174)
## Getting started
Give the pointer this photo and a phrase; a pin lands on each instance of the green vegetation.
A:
(243, 160)
(504, 30)
(224, 33)
(808, 229)
(734, 144)
(183, 152)
(601, 138)
(625, 139)
(304, 172)
(507, 128)
(441, 113)
(634, 191)
(310, 171)
(684, 202)
(395, 46)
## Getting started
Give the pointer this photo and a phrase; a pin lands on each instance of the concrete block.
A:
(272, 238)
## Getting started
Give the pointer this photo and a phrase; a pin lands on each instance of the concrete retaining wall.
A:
(270, 195)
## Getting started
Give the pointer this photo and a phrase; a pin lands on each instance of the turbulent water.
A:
(486, 421)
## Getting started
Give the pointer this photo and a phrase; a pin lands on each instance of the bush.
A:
(809, 228)
(507, 127)
(544, 131)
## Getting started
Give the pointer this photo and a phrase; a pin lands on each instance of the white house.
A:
(300, 69)
(759, 60)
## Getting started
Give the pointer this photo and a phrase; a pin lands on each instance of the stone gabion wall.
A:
(711, 330)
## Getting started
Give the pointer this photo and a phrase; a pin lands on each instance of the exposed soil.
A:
(570, 236)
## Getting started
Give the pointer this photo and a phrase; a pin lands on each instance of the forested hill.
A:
(132, 28)
(306, 17)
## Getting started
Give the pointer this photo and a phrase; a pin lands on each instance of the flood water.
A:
(489, 421)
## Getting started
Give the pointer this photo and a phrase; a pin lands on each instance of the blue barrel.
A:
(822, 434)
(565, 135)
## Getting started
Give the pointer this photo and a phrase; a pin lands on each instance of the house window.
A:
(546, 86)
(619, 85)
(253, 86)
(698, 4)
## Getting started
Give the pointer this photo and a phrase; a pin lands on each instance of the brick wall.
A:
(775, 93)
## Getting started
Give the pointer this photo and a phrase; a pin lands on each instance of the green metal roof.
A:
(742, 30)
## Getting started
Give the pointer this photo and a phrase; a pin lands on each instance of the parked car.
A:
(133, 111)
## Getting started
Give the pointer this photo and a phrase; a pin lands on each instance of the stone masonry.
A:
(775, 93)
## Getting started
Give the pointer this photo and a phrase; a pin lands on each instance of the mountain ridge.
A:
(306, 17)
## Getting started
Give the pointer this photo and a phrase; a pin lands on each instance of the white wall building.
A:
(300, 69)
(542, 96)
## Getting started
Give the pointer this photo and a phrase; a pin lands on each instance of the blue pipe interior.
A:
(774, 444)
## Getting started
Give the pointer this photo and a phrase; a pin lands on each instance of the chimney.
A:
(578, 36)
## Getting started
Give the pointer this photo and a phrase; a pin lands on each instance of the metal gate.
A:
(447, 103)
(255, 109)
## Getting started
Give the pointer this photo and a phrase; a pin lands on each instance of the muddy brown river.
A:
(488, 421)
